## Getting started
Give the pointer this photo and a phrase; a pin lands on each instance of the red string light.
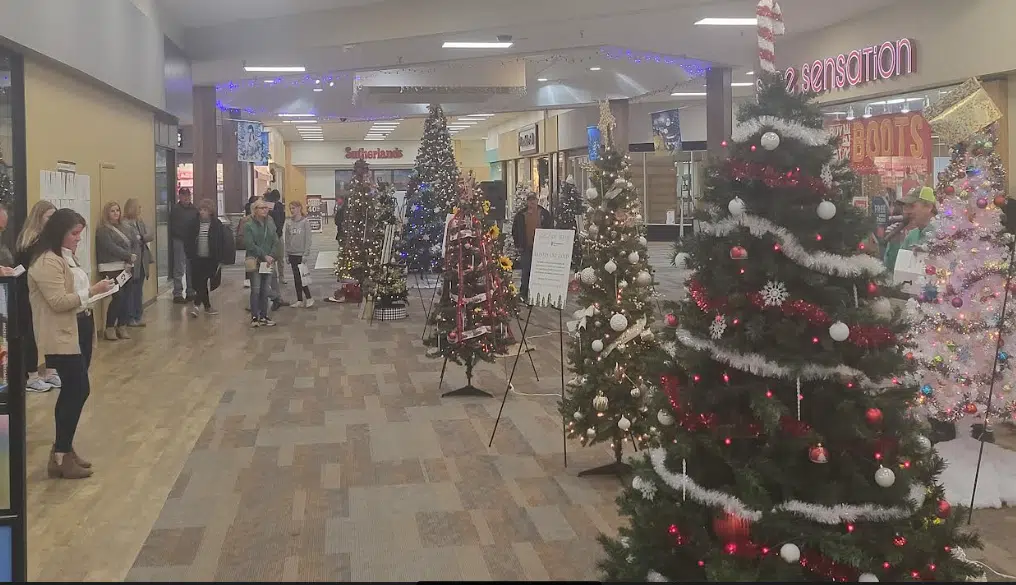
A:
(748, 171)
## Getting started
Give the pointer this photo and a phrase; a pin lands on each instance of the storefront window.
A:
(162, 196)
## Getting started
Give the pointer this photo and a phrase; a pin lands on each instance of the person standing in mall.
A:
(39, 379)
(140, 237)
(114, 254)
(298, 239)
(206, 253)
(278, 214)
(524, 227)
(181, 217)
(59, 293)
(261, 241)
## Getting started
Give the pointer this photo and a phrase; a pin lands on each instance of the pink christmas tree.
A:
(961, 301)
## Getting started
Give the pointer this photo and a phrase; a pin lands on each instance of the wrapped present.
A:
(962, 112)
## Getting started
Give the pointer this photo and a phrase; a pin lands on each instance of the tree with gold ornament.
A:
(606, 398)
(359, 250)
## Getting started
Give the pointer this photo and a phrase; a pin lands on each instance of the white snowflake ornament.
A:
(774, 294)
(644, 486)
(827, 176)
(718, 326)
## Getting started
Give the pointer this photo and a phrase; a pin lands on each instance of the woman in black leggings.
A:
(298, 239)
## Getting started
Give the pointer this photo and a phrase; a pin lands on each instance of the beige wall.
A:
(471, 155)
(110, 139)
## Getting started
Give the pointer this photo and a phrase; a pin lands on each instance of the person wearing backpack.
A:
(205, 246)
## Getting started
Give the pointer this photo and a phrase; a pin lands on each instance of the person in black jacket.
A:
(181, 217)
(524, 227)
(205, 251)
(278, 215)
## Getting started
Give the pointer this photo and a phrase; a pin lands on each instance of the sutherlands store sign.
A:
(858, 67)
(373, 154)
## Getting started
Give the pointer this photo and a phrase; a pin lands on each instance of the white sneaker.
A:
(53, 380)
(193, 311)
(308, 303)
(297, 304)
(38, 385)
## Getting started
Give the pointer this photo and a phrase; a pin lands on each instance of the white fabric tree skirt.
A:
(996, 484)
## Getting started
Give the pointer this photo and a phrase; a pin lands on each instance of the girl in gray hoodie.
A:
(298, 238)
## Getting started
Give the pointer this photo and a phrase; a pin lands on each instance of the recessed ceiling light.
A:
(728, 21)
(594, 68)
(689, 94)
(297, 115)
(541, 79)
(274, 69)
(750, 73)
(742, 84)
(331, 84)
(476, 45)
(896, 101)
(318, 89)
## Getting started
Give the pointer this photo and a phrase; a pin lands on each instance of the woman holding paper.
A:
(44, 380)
(61, 297)
(260, 239)
(298, 243)
(113, 252)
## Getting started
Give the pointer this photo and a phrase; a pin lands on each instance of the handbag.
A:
(216, 280)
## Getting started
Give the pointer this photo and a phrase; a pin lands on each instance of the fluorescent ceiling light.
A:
(712, 21)
(297, 115)
(269, 81)
(689, 94)
(299, 121)
(274, 69)
(835, 113)
(920, 99)
(541, 79)
(742, 84)
(318, 89)
(475, 45)
(373, 139)
(879, 103)
(482, 115)
(594, 68)
(314, 139)
(379, 125)
(750, 73)
(896, 101)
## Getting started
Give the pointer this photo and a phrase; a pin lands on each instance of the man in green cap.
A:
(919, 208)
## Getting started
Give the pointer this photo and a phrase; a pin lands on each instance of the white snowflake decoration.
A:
(718, 326)
(644, 486)
(774, 294)
(827, 176)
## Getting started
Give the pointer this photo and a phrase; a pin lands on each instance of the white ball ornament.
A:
(644, 278)
(588, 275)
(610, 267)
(681, 260)
(790, 552)
(624, 424)
(592, 194)
(839, 331)
(826, 210)
(618, 322)
(597, 346)
(885, 477)
(633, 257)
(591, 433)
(578, 415)
(643, 241)
(922, 443)
(666, 419)
(867, 578)
(882, 308)
(770, 140)
(593, 229)
(600, 403)
(736, 207)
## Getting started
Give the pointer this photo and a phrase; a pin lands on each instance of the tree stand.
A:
(468, 389)
(618, 468)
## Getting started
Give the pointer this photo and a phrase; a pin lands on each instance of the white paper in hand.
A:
(910, 271)
(265, 268)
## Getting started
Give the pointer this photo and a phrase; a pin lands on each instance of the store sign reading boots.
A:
(372, 154)
(858, 67)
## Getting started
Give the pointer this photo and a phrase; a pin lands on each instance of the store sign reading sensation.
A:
(875, 63)
(373, 154)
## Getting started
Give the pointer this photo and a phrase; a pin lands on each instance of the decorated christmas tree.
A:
(570, 207)
(519, 202)
(359, 250)
(431, 194)
(389, 273)
(471, 318)
(606, 398)
(961, 299)
(785, 449)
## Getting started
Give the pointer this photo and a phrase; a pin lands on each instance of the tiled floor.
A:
(322, 450)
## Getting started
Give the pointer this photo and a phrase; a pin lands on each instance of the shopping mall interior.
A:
(323, 449)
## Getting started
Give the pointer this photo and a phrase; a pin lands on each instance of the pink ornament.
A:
(671, 320)
(957, 302)
(982, 202)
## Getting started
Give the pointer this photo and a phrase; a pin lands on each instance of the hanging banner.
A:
(593, 140)
(896, 147)
(251, 146)
(314, 214)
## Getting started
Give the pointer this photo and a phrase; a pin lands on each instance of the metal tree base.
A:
(979, 432)
(620, 469)
(468, 390)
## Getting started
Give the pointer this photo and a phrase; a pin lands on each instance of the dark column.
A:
(206, 153)
(232, 174)
(719, 110)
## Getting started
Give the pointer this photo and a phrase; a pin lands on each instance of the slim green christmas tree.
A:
(784, 448)
(358, 247)
(519, 202)
(432, 193)
(570, 207)
(607, 396)
(389, 273)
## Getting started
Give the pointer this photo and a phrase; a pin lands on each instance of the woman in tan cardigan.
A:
(59, 291)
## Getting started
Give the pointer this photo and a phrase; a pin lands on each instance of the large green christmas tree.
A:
(606, 398)
(431, 195)
(359, 249)
(784, 448)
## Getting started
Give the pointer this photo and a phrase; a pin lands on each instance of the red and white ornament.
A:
(818, 454)
(738, 253)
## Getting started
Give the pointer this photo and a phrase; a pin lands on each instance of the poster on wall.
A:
(251, 143)
(73, 191)
(314, 215)
(551, 270)
(895, 147)
(666, 130)
(593, 142)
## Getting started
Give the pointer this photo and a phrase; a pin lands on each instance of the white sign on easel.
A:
(551, 267)
(67, 189)
(910, 271)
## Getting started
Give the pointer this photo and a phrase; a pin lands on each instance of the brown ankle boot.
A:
(67, 469)
(110, 334)
(121, 332)
(82, 462)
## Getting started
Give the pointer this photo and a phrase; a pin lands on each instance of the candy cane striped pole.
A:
(770, 26)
